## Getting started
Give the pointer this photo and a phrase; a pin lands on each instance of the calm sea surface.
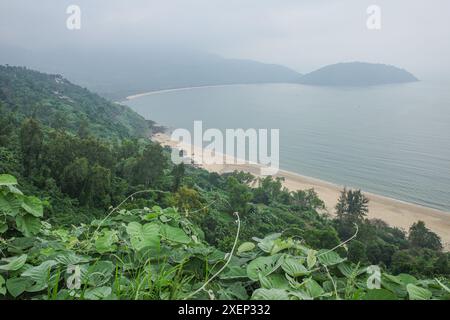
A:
(392, 140)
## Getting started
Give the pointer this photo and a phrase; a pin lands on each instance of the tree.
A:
(306, 200)
(91, 185)
(270, 190)
(60, 150)
(127, 149)
(357, 251)
(187, 200)
(352, 206)
(6, 126)
(178, 173)
(75, 178)
(83, 130)
(31, 141)
(421, 237)
(150, 165)
(239, 195)
(59, 121)
(97, 191)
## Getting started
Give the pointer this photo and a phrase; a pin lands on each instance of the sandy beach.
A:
(395, 212)
(139, 95)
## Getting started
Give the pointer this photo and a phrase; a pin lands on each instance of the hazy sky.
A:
(303, 35)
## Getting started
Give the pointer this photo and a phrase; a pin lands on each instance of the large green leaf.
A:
(33, 206)
(105, 243)
(99, 274)
(70, 258)
(270, 294)
(300, 295)
(233, 272)
(311, 260)
(274, 281)
(267, 243)
(3, 227)
(17, 286)
(329, 258)
(393, 284)
(99, 293)
(263, 266)
(350, 271)
(246, 246)
(10, 204)
(28, 225)
(379, 294)
(166, 215)
(143, 236)
(313, 289)
(280, 245)
(40, 275)
(14, 263)
(234, 291)
(174, 234)
(407, 279)
(294, 267)
(418, 293)
(15, 190)
(7, 180)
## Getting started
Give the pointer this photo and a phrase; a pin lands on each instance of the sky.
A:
(303, 35)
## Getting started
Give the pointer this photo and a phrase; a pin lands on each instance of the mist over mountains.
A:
(118, 73)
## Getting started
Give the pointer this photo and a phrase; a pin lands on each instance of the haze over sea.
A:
(393, 140)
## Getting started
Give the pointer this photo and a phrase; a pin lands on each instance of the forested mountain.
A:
(357, 74)
(56, 102)
(136, 226)
(120, 72)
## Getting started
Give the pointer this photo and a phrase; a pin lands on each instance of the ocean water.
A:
(393, 140)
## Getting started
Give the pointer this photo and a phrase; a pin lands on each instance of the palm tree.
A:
(352, 205)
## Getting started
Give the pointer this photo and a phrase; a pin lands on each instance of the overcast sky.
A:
(303, 35)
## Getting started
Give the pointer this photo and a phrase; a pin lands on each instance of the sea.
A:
(393, 140)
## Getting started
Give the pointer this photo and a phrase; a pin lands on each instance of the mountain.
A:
(58, 103)
(357, 74)
(118, 73)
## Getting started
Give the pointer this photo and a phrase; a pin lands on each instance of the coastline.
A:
(149, 93)
(395, 212)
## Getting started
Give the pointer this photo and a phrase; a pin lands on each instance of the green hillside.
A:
(56, 102)
(89, 211)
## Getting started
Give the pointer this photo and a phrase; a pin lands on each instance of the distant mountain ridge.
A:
(357, 74)
(116, 74)
(119, 73)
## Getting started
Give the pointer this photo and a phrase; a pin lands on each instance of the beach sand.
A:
(140, 95)
(395, 212)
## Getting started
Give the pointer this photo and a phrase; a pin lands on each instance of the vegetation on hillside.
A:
(81, 217)
(56, 102)
(160, 254)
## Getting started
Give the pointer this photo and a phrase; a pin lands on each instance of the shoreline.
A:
(149, 93)
(397, 213)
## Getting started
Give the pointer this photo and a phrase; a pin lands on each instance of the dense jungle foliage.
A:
(91, 209)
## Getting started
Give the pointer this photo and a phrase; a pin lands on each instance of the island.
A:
(357, 74)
